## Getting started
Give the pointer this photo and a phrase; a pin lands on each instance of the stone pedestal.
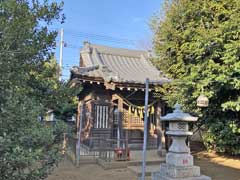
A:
(179, 162)
(161, 176)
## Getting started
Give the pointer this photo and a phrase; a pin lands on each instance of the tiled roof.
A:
(117, 65)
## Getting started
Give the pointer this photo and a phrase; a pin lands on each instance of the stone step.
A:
(151, 155)
(137, 170)
(148, 162)
(112, 164)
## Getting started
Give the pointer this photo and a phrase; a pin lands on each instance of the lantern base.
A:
(171, 172)
(183, 160)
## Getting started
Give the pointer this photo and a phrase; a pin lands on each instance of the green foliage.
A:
(60, 128)
(29, 86)
(223, 137)
(28, 148)
(51, 93)
(67, 100)
(197, 44)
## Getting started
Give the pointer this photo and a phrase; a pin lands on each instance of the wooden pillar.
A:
(160, 131)
(79, 114)
(79, 131)
(120, 105)
(120, 116)
(110, 122)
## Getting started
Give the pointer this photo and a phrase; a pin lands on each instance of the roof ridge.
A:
(103, 49)
(118, 64)
(119, 55)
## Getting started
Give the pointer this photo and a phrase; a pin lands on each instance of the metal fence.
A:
(105, 149)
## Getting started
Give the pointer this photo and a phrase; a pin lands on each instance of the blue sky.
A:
(117, 23)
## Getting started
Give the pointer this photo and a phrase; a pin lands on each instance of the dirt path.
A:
(66, 171)
(218, 167)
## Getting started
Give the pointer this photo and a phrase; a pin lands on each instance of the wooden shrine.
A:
(113, 79)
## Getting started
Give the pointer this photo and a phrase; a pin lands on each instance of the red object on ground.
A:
(122, 154)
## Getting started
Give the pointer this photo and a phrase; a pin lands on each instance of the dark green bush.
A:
(223, 137)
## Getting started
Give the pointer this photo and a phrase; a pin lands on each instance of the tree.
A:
(29, 86)
(197, 44)
(52, 94)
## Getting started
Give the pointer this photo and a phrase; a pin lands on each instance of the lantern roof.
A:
(178, 115)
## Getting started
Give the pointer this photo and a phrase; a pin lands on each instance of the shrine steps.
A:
(101, 133)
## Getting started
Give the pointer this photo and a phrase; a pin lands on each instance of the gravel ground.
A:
(66, 171)
(218, 167)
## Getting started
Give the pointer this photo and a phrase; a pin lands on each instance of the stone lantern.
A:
(179, 161)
